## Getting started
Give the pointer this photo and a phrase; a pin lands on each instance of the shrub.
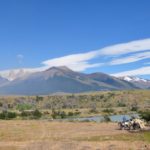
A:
(93, 108)
(11, 115)
(145, 115)
(2, 115)
(121, 104)
(70, 113)
(39, 98)
(106, 118)
(22, 107)
(108, 110)
(134, 108)
(37, 114)
(10, 106)
(1, 104)
(7, 115)
(62, 114)
(93, 111)
(54, 114)
(24, 114)
(77, 113)
(111, 95)
(102, 96)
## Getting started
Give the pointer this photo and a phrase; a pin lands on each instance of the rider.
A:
(124, 119)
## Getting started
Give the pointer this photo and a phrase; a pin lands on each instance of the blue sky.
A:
(76, 33)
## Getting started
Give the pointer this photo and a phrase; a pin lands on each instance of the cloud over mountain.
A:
(118, 54)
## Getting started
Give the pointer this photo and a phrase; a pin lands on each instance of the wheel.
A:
(120, 125)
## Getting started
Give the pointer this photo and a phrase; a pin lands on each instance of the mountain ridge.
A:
(139, 82)
(63, 79)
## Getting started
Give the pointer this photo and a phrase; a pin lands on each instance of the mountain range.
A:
(63, 79)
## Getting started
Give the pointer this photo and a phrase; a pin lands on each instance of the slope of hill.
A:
(3, 81)
(120, 84)
(62, 79)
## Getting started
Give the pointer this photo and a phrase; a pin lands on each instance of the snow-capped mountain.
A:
(15, 74)
(134, 79)
(139, 82)
(60, 79)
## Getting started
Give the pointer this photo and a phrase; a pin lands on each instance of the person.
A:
(124, 119)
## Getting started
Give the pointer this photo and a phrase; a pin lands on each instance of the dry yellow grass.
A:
(45, 135)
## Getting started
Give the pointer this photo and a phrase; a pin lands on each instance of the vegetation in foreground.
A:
(76, 105)
(23, 132)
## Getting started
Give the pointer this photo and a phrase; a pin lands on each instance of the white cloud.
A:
(20, 58)
(125, 48)
(135, 72)
(80, 62)
(131, 58)
(136, 50)
(77, 62)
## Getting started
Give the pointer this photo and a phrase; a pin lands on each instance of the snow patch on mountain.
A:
(133, 79)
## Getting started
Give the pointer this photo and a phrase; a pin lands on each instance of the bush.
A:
(106, 118)
(22, 107)
(11, 115)
(2, 115)
(54, 114)
(70, 113)
(93, 111)
(134, 108)
(121, 104)
(108, 110)
(77, 113)
(62, 114)
(39, 98)
(8, 115)
(145, 115)
(24, 114)
(37, 114)
(1, 104)
(58, 114)
(102, 96)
